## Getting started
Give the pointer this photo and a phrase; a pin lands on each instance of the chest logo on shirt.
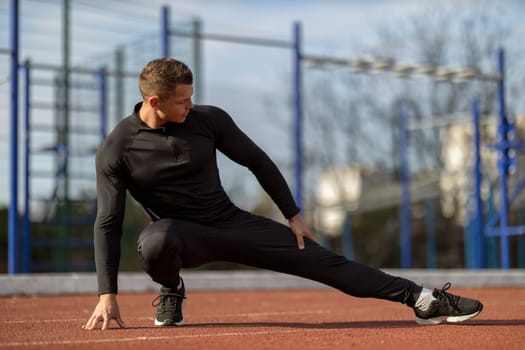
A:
(181, 150)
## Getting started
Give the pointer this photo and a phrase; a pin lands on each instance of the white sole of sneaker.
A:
(456, 319)
(450, 319)
(430, 321)
(170, 323)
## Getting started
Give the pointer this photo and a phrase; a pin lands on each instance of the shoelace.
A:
(167, 301)
(450, 298)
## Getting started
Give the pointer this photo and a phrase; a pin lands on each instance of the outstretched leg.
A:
(264, 243)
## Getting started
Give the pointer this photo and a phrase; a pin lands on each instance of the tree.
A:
(353, 118)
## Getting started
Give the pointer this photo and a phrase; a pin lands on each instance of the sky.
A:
(236, 76)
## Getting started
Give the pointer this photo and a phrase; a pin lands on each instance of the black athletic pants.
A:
(167, 245)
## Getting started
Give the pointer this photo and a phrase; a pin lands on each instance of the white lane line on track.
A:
(195, 318)
(133, 339)
(60, 320)
(276, 313)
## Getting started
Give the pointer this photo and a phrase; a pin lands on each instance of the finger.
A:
(121, 322)
(92, 322)
(300, 242)
(105, 325)
(310, 236)
(88, 323)
(95, 322)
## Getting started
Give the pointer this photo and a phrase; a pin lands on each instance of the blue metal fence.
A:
(505, 146)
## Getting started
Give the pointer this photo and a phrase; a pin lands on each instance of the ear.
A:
(153, 101)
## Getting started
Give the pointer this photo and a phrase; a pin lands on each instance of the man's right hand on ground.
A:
(106, 310)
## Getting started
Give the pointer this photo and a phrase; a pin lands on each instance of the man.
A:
(164, 154)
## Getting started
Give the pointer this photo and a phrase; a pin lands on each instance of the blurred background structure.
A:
(401, 139)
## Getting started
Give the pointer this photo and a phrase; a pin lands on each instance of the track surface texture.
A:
(292, 319)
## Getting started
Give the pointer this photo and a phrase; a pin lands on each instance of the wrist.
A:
(108, 296)
(294, 218)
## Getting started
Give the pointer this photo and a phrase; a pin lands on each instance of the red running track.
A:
(312, 319)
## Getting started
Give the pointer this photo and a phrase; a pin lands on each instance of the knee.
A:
(150, 246)
(156, 244)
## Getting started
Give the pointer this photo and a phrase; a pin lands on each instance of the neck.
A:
(149, 117)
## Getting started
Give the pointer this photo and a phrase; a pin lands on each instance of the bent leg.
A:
(167, 245)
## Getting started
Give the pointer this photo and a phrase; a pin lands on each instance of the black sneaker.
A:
(169, 305)
(448, 307)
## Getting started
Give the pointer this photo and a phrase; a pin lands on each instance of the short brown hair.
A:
(161, 76)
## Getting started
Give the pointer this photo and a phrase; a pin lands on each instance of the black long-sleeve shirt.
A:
(172, 172)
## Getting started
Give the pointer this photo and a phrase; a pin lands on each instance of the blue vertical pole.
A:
(492, 241)
(298, 108)
(103, 110)
(503, 163)
(430, 227)
(325, 241)
(521, 238)
(26, 226)
(467, 238)
(12, 245)
(347, 238)
(405, 195)
(165, 31)
(479, 246)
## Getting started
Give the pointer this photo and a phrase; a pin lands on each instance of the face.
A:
(176, 107)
